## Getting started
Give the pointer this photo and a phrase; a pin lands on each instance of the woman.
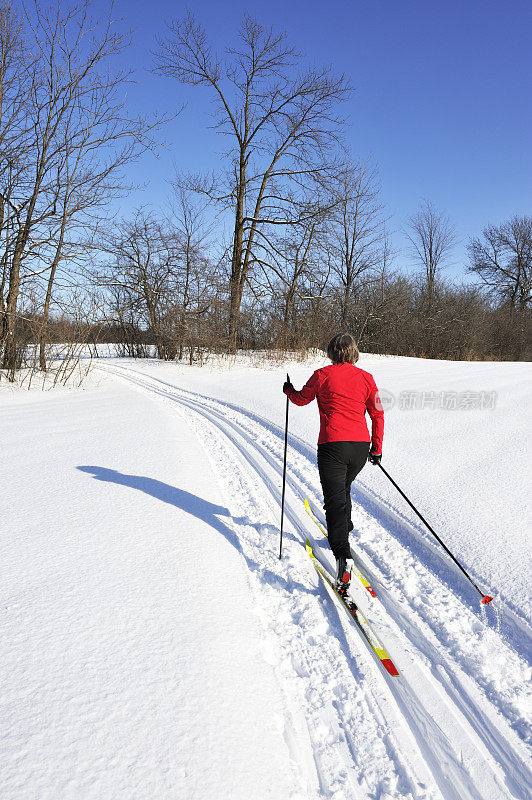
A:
(344, 394)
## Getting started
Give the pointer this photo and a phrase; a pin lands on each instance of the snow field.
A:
(122, 675)
(453, 782)
(149, 702)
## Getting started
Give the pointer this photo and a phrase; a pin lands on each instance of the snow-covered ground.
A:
(154, 646)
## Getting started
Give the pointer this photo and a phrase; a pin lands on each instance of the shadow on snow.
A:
(204, 510)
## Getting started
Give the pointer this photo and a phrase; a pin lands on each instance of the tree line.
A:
(287, 242)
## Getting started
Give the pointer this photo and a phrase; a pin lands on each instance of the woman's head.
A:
(342, 348)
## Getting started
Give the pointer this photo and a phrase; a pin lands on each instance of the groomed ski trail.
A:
(434, 732)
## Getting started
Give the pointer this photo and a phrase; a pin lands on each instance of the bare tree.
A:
(292, 258)
(502, 259)
(300, 260)
(14, 95)
(432, 238)
(70, 140)
(159, 274)
(143, 258)
(356, 231)
(374, 296)
(196, 275)
(282, 124)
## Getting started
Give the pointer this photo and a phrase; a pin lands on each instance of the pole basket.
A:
(486, 600)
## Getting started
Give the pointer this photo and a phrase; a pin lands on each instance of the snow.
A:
(156, 647)
(126, 676)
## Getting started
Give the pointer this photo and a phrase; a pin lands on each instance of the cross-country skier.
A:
(344, 393)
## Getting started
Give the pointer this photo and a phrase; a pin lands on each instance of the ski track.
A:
(453, 725)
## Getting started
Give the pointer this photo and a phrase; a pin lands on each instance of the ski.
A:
(356, 571)
(356, 615)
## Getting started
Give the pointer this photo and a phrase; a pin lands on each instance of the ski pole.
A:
(485, 597)
(284, 470)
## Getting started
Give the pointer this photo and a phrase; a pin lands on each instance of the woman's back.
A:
(344, 394)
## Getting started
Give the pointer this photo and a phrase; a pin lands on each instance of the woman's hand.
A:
(287, 385)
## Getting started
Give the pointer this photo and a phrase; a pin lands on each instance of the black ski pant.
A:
(339, 463)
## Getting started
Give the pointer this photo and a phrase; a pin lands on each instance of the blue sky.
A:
(442, 98)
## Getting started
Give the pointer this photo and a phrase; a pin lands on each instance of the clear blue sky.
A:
(442, 100)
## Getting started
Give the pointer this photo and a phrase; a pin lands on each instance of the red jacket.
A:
(344, 393)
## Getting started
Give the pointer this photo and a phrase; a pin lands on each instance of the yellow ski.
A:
(356, 615)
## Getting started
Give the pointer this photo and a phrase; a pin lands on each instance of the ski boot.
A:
(343, 575)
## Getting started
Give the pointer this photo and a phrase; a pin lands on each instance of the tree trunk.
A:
(287, 310)
(7, 335)
(53, 268)
(345, 307)
(234, 314)
(235, 284)
(7, 340)
(42, 336)
(155, 328)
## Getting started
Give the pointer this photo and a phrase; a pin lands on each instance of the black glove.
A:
(375, 458)
(286, 386)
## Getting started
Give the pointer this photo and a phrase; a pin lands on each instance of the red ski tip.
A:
(389, 666)
(486, 599)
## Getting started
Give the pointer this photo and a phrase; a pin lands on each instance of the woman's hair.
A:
(342, 348)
